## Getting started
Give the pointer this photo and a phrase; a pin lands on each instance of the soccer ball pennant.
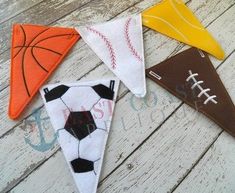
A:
(81, 113)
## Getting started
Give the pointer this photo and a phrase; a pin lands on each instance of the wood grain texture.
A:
(120, 138)
(214, 173)
(11, 8)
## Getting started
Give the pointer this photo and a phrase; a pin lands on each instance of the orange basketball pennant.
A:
(36, 52)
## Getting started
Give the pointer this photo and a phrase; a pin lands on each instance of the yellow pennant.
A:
(174, 19)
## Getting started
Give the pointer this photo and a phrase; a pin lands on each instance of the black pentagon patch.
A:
(104, 91)
(80, 124)
(82, 165)
(55, 93)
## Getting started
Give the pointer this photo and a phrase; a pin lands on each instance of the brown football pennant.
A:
(191, 77)
(35, 53)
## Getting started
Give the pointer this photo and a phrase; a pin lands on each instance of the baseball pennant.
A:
(35, 53)
(191, 77)
(174, 19)
(119, 44)
(81, 114)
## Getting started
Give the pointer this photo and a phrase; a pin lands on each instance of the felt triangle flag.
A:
(35, 53)
(81, 114)
(174, 19)
(119, 44)
(191, 77)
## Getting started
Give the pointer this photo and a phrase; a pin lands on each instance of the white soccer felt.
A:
(119, 44)
(84, 136)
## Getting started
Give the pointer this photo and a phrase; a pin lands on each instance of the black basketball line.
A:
(54, 36)
(22, 68)
(39, 47)
(34, 57)
(38, 63)
(38, 35)
(23, 41)
(22, 65)
(32, 48)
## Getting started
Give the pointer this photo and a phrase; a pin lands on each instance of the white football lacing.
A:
(203, 91)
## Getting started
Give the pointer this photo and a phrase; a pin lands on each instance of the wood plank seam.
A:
(194, 165)
(155, 130)
(4, 21)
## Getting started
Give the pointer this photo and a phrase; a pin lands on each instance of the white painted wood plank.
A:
(60, 185)
(124, 143)
(10, 8)
(215, 172)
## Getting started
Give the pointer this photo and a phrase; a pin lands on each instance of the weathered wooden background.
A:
(156, 145)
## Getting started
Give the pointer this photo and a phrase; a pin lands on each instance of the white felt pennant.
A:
(119, 44)
(81, 113)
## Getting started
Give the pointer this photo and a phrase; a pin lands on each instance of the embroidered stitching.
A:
(203, 91)
(128, 40)
(108, 45)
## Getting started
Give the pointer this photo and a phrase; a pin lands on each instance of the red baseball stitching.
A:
(108, 45)
(127, 36)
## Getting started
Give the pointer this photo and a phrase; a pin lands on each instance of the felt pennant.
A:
(119, 44)
(191, 77)
(81, 113)
(174, 19)
(36, 52)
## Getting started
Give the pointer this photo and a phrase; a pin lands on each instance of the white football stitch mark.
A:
(202, 91)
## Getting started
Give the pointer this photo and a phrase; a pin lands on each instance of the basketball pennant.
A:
(119, 44)
(35, 53)
(81, 114)
(191, 77)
